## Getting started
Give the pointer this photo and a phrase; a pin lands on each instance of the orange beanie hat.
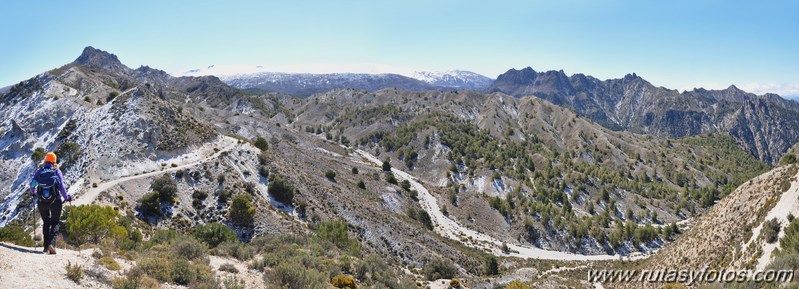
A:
(50, 158)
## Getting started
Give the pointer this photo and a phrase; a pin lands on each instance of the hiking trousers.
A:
(51, 215)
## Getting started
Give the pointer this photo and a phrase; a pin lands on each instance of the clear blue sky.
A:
(676, 44)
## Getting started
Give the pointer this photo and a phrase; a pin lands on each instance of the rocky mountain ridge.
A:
(764, 125)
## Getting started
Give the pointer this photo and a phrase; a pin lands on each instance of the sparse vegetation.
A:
(331, 175)
(92, 223)
(261, 143)
(281, 190)
(771, 230)
(213, 234)
(242, 211)
(438, 268)
(74, 272)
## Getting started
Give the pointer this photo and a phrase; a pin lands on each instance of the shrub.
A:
(214, 234)
(788, 159)
(439, 269)
(386, 165)
(391, 179)
(134, 281)
(281, 190)
(354, 170)
(110, 263)
(490, 265)
(38, 155)
(344, 281)
(227, 267)
(236, 250)
(183, 272)
(261, 143)
(166, 187)
(361, 184)
(516, 284)
(330, 174)
(406, 185)
(16, 235)
(241, 211)
(158, 268)
(263, 171)
(771, 230)
(293, 275)
(92, 223)
(74, 272)
(189, 248)
(112, 95)
(234, 283)
(336, 232)
(454, 283)
(422, 216)
(150, 205)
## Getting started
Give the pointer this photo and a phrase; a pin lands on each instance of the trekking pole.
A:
(34, 224)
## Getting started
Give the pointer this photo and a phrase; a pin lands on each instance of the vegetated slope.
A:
(731, 233)
(96, 116)
(527, 171)
(766, 126)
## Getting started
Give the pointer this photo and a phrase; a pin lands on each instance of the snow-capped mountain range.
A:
(374, 77)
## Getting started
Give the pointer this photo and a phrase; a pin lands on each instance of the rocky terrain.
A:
(416, 178)
(763, 125)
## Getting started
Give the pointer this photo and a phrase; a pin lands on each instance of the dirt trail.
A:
(91, 194)
(449, 228)
(22, 267)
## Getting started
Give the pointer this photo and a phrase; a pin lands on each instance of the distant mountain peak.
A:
(96, 57)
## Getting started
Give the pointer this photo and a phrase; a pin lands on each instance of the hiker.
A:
(47, 188)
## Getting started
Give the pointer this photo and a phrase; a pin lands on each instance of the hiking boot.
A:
(44, 250)
(51, 250)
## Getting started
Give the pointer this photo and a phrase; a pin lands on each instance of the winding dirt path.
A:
(91, 194)
(449, 228)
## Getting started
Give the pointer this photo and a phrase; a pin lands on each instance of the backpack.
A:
(47, 190)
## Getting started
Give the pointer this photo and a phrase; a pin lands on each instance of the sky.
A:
(676, 44)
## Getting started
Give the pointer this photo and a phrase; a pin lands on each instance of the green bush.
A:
(241, 211)
(234, 283)
(391, 179)
(38, 155)
(439, 269)
(281, 190)
(490, 265)
(344, 281)
(166, 187)
(292, 274)
(183, 272)
(261, 143)
(336, 232)
(406, 185)
(16, 235)
(771, 230)
(158, 268)
(110, 263)
(422, 216)
(189, 248)
(386, 165)
(330, 174)
(236, 249)
(134, 281)
(788, 159)
(263, 171)
(74, 272)
(214, 234)
(92, 223)
(354, 170)
(361, 184)
(150, 205)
